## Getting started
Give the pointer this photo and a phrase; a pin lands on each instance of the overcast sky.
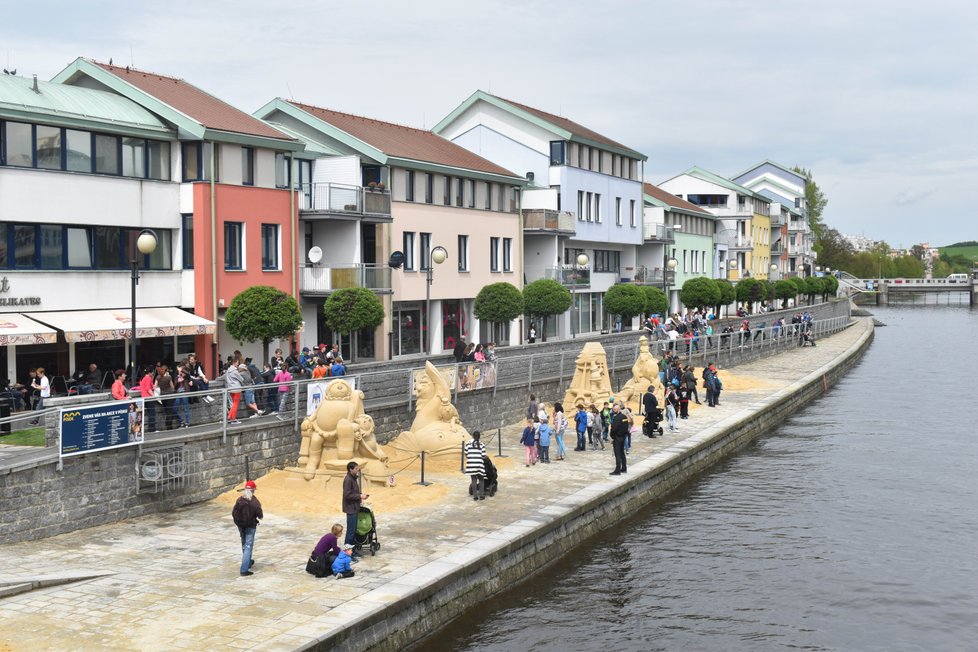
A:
(878, 98)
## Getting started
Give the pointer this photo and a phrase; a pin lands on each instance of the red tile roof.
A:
(405, 142)
(672, 200)
(566, 124)
(192, 101)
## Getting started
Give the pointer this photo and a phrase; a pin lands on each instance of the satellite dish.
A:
(396, 259)
(315, 255)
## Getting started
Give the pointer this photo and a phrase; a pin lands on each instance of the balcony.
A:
(578, 277)
(777, 247)
(777, 220)
(345, 200)
(732, 240)
(542, 220)
(323, 279)
(657, 277)
(653, 232)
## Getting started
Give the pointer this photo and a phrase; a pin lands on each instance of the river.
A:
(852, 526)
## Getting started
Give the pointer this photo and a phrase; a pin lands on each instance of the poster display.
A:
(89, 428)
(315, 391)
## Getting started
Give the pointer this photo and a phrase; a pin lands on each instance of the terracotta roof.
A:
(192, 101)
(404, 142)
(672, 200)
(566, 124)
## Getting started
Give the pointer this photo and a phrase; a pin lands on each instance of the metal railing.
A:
(323, 279)
(646, 276)
(539, 219)
(658, 232)
(344, 198)
(570, 276)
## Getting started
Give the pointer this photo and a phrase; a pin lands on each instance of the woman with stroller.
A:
(475, 467)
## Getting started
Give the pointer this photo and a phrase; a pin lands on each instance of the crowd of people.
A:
(693, 330)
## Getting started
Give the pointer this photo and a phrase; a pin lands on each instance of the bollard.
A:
(247, 469)
(462, 465)
(422, 483)
(499, 441)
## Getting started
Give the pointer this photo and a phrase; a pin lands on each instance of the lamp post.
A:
(731, 266)
(774, 272)
(435, 257)
(145, 244)
(670, 266)
(582, 261)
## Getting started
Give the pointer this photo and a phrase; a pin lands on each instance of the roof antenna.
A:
(131, 62)
(291, 96)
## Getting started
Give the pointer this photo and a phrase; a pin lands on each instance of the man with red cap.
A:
(246, 514)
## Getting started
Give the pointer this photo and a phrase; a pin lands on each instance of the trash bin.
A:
(5, 405)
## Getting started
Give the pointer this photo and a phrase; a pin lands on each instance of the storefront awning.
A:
(20, 329)
(93, 325)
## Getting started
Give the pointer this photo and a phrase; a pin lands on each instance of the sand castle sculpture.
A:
(340, 431)
(436, 429)
(591, 382)
(645, 372)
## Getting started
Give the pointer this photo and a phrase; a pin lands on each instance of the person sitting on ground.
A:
(341, 565)
(326, 552)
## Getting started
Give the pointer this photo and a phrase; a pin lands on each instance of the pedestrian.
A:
(532, 409)
(543, 433)
(246, 514)
(560, 425)
(619, 430)
(650, 405)
(338, 369)
(234, 382)
(717, 387)
(181, 405)
(532, 334)
(528, 439)
(598, 427)
(683, 393)
(459, 350)
(605, 421)
(248, 384)
(164, 383)
(283, 378)
(119, 391)
(325, 553)
(591, 414)
(352, 499)
(475, 466)
(42, 386)
(580, 423)
(341, 565)
(627, 411)
(148, 391)
(672, 403)
(689, 380)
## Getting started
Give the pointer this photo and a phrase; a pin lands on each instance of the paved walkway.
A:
(171, 580)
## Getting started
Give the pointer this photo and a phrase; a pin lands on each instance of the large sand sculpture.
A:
(436, 429)
(591, 382)
(645, 372)
(340, 431)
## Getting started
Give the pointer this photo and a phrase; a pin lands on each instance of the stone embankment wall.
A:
(38, 500)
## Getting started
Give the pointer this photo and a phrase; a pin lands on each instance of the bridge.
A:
(902, 289)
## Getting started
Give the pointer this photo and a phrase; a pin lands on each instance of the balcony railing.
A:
(777, 247)
(345, 199)
(646, 276)
(569, 276)
(777, 220)
(539, 219)
(323, 279)
(658, 232)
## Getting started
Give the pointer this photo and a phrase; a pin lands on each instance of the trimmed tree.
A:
(784, 290)
(544, 298)
(263, 313)
(626, 300)
(830, 286)
(800, 286)
(498, 303)
(748, 291)
(655, 300)
(352, 309)
(813, 286)
(727, 294)
(699, 293)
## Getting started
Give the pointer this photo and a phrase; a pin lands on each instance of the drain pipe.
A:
(217, 323)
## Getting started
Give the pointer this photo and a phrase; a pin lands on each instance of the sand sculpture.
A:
(645, 372)
(436, 429)
(591, 382)
(339, 431)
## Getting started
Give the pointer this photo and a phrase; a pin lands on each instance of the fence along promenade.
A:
(392, 388)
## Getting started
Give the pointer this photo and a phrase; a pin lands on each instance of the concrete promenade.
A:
(171, 580)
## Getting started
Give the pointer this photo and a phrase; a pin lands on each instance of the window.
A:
(557, 149)
(607, 261)
(57, 246)
(134, 157)
(460, 192)
(424, 244)
(470, 193)
(24, 245)
(587, 207)
(197, 161)
(158, 154)
(715, 201)
(502, 198)
(106, 154)
(108, 248)
(507, 254)
(51, 245)
(590, 158)
(580, 205)
(233, 245)
(408, 185)
(493, 254)
(429, 188)
(269, 247)
(631, 212)
(570, 256)
(685, 265)
(19, 144)
(463, 253)
(580, 156)
(78, 157)
(447, 199)
(488, 197)
(188, 241)
(190, 156)
(283, 170)
(79, 248)
(248, 166)
(409, 251)
(48, 147)
(597, 207)
(618, 211)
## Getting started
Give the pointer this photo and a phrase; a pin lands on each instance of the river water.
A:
(853, 526)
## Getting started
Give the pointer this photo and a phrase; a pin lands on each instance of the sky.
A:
(877, 98)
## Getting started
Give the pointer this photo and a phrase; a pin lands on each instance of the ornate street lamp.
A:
(436, 256)
(145, 244)
(582, 261)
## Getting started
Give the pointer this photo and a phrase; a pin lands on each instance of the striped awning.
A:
(94, 325)
(21, 329)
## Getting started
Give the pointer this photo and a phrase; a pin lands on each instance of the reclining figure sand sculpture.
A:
(645, 372)
(436, 429)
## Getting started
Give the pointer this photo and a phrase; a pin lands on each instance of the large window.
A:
(460, 192)
(48, 147)
(557, 149)
(429, 188)
(493, 254)
(463, 253)
(134, 157)
(197, 161)
(283, 171)
(188, 241)
(248, 166)
(59, 246)
(470, 193)
(618, 211)
(424, 244)
(507, 254)
(597, 207)
(607, 261)
(79, 150)
(447, 199)
(269, 247)
(714, 201)
(106, 154)
(18, 140)
(631, 212)
(409, 251)
(233, 245)
(408, 185)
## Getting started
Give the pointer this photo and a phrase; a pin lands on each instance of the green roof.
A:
(706, 175)
(64, 105)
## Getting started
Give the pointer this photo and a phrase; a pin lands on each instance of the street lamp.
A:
(774, 271)
(731, 266)
(670, 266)
(145, 244)
(435, 257)
(582, 261)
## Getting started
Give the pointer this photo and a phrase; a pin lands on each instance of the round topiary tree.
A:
(727, 293)
(699, 293)
(263, 313)
(748, 291)
(544, 298)
(352, 309)
(784, 290)
(813, 286)
(626, 300)
(801, 287)
(655, 300)
(831, 286)
(498, 303)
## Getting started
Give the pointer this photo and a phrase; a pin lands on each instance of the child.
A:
(341, 566)
(560, 424)
(590, 427)
(598, 427)
(580, 422)
(543, 432)
(671, 401)
(529, 442)
(536, 439)
(683, 394)
(605, 420)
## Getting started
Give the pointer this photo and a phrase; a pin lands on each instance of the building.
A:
(378, 188)
(583, 199)
(678, 243)
(786, 187)
(743, 227)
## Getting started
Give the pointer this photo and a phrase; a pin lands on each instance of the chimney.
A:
(34, 87)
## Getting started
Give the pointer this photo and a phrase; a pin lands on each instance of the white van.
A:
(958, 278)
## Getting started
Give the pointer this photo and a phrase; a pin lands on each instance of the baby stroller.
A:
(492, 477)
(651, 427)
(366, 533)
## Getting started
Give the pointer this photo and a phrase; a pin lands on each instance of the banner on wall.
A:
(100, 427)
(317, 390)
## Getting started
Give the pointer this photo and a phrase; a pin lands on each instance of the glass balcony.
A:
(539, 219)
(658, 232)
(323, 279)
(658, 277)
(569, 276)
(344, 199)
